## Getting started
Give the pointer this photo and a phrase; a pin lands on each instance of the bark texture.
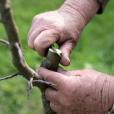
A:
(18, 60)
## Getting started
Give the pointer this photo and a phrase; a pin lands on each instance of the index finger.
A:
(44, 40)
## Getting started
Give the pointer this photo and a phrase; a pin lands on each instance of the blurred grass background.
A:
(95, 50)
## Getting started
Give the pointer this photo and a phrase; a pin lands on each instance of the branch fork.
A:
(51, 62)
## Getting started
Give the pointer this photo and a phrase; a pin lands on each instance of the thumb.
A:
(66, 49)
(51, 76)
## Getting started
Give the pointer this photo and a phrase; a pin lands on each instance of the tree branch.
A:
(9, 77)
(13, 37)
(4, 42)
(51, 62)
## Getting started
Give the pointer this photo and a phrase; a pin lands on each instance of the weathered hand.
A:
(62, 26)
(55, 26)
(79, 92)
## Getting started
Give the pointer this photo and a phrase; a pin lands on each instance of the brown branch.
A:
(51, 62)
(13, 37)
(4, 42)
(9, 77)
(42, 82)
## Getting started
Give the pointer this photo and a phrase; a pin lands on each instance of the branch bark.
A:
(9, 77)
(4, 42)
(51, 62)
(13, 37)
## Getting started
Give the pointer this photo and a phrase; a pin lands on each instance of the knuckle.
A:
(40, 17)
(53, 107)
(36, 45)
(35, 18)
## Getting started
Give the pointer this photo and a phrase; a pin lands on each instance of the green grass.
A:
(94, 50)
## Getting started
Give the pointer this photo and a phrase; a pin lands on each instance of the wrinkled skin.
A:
(75, 92)
(54, 26)
(63, 26)
(79, 92)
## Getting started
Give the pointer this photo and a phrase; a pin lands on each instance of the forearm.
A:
(86, 8)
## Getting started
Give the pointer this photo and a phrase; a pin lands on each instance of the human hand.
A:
(55, 26)
(63, 26)
(79, 92)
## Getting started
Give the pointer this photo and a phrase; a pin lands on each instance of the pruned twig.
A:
(42, 82)
(10, 76)
(4, 42)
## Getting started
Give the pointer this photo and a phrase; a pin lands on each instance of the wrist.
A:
(86, 8)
